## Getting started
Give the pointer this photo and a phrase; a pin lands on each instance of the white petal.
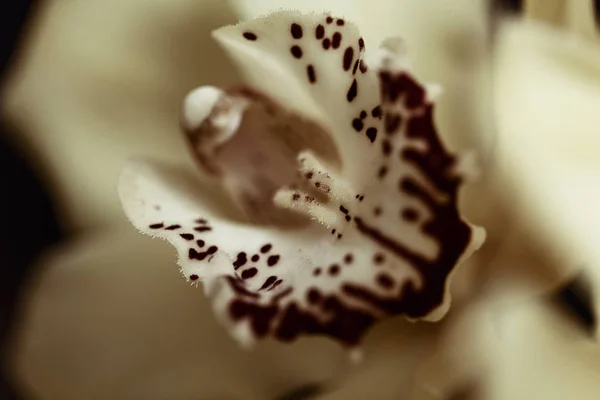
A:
(390, 234)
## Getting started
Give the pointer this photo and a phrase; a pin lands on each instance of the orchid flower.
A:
(350, 195)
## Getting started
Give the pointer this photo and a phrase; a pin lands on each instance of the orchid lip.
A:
(354, 210)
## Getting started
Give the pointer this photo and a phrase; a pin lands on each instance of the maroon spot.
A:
(194, 277)
(187, 236)
(200, 243)
(270, 280)
(200, 256)
(361, 44)
(296, 51)
(336, 40)
(377, 211)
(201, 221)
(334, 270)
(310, 71)
(255, 258)
(332, 231)
(295, 197)
(372, 134)
(392, 122)
(362, 66)
(344, 209)
(279, 296)
(382, 172)
(357, 124)
(348, 258)
(361, 198)
(378, 258)
(339, 236)
(308, 175)
(172, 227)
(340, 22)
(348, 218)
(410, 214)
(296, 31)
(385, 281)
(317, 272)
(329, 20)
(386, 147)
(272, 260)
(352, 92)
(376, 112)
(156, 226)
(317, 184)
(203, 228)
(266, 248)
(320, 32)
(313, 296)
(240, 260)
(363, 114)
(249, 273)
(326, 43)
(355, 67)
(348, 57)
(250, 36)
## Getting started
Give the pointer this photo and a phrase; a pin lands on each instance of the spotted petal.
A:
(387, 234)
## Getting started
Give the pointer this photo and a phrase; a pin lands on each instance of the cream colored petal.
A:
(108, 319)
(101, 81)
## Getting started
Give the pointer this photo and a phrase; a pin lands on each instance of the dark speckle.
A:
(313, 296)
(348, 57)
(386, 147)
(200, 243)
(377, 211)
(340, 22)
(272, 260)
(357, 124)
(348, 218)
(376, 112)
(326, 43)
(382, 172)
(295, 197)
(296, 31)
(249, 273)
(317, 271)
(385, 281)
(296, 51)
(329, 20)
(250, 36)
(378, 258)
(156, 226)
(348, 258)
(310, 71)
(172, 227)
(353, 91)
(355, 67)
(320, 32)
(336, 40)
(372, 134)
(193, 277)
(187, 236)
(361, 44)
(266, 248)
(334, 270)
(362, 66)
(255, 258)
